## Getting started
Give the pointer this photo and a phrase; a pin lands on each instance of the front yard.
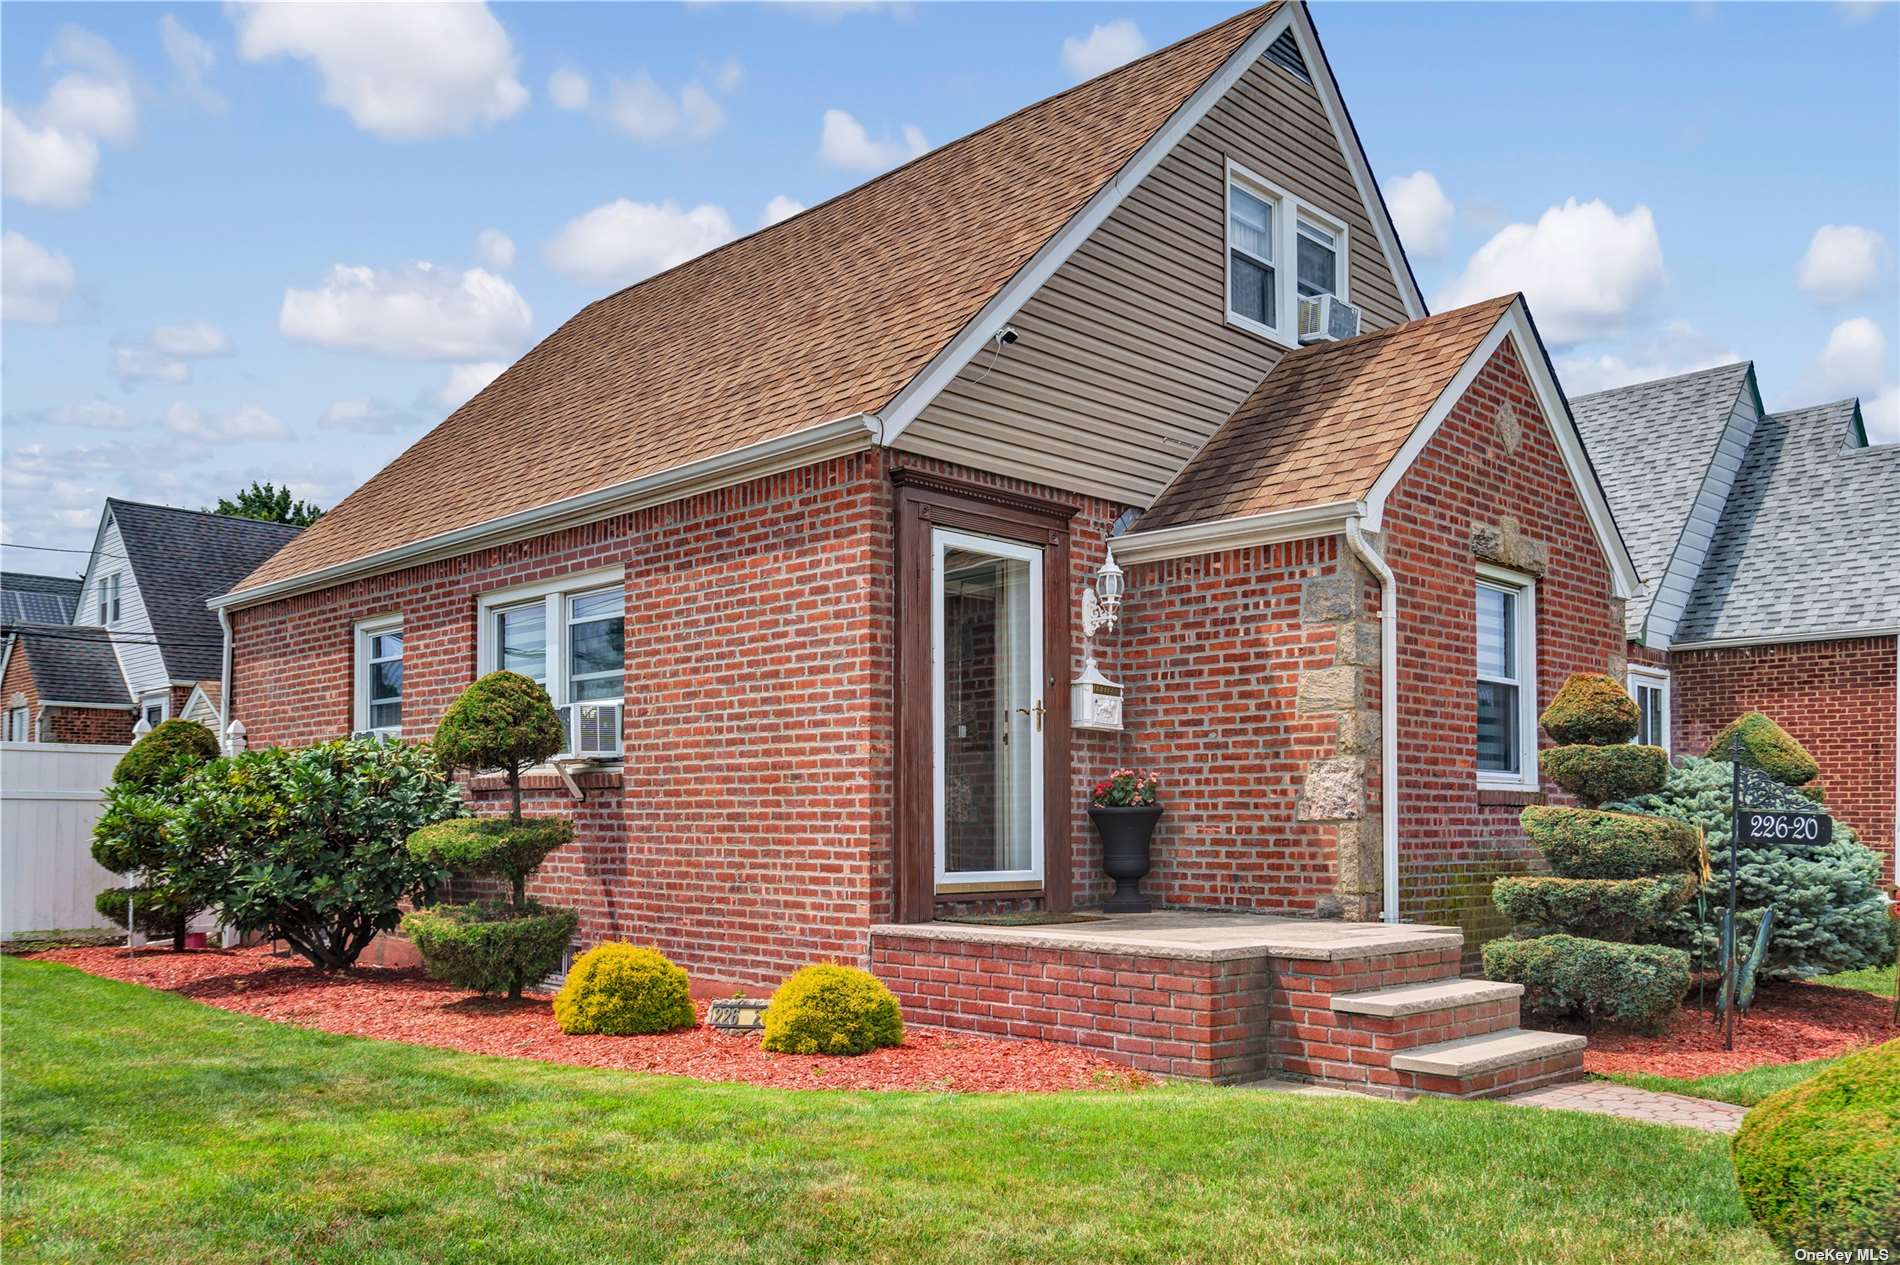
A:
(141, 1126)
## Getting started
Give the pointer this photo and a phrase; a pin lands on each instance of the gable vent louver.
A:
(1286, 51)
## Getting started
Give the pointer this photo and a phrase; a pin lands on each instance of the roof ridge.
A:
(1656, 382)
(179, 509)
(1849, 401)
(1264, 10)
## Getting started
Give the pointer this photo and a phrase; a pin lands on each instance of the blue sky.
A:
(280, 243)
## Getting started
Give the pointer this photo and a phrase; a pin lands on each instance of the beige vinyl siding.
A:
(1126, 363)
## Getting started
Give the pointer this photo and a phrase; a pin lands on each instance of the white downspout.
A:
(224, 685)
(1388, 717)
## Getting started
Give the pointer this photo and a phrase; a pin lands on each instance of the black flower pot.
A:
(1126, 836)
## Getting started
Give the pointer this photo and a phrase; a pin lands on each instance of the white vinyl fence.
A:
(51, 793)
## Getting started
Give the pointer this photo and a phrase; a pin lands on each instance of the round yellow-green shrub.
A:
(1818, 1164)
(1592, 709)
(1766, 746)
(621, 990)
(832, 1009)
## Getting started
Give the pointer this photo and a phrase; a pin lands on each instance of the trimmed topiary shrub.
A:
(504, 721)
(1604, 908)
(158, 910)
(171, 749)
(832, 1009)
(1768, 747)
(491, 948)
(1818, 1164)
(1593, 982)
(492, 846)
(1591, 709)
(622, 990)
(1589, 843)
(1598, 774)
(1829, 914)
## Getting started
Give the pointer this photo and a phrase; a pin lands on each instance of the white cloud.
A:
(102, 414)
(464, 381)
(496, 249)
(729, 75)
(1854, 362)
(1680, 348)
(779, 208)
(1584, 268)
(45, 165)
(843, 142)
(400, 71)
(366, 417)
(147, 364)
(1109, 45)
(1882, 416)
(1855, 12)
(1843, 261)
(623, 241)
(192, 339)
(247, 423)
(420, 312)
(644, 110)
(1422, 213)
(50, 155)
(34, 282)
(191, 57)
(568, 89)
(53, 494)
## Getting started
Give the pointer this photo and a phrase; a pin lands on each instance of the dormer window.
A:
(1266, 228)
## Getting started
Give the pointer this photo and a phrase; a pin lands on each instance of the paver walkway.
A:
(1607, 1098)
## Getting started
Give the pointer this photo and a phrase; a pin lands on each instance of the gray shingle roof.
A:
(37, 599)
(71, 663)
(1809, 542)
(184, 558)
(1651, 444)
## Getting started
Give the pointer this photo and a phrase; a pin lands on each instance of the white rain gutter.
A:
(1388, 718)
(224, 684)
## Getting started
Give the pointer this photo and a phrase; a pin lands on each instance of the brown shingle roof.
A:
(1326, 421)
(824, 315)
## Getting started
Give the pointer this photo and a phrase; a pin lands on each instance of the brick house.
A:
(1771, 547)
(798, 534)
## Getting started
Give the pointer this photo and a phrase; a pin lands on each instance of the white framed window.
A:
(109, 599)
(1279, 250)
(379, 676)
(19, 726)
(155, 709)
(1650, 688)
(569, 637)
(1506, 679)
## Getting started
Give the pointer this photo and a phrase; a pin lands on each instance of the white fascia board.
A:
(1191, 539)
(1348, 137)
(1515, 325)
(943, 368)
(835, 438)
(1787, 639)
(97, 707)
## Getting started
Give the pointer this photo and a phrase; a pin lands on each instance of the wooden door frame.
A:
(926, 500)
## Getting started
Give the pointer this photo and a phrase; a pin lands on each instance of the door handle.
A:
(1036, 711)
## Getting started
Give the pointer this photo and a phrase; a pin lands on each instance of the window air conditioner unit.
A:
(593, 730)
(1325, 319)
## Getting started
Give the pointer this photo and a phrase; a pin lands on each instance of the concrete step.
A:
(1470, 1057)
(1418, 999)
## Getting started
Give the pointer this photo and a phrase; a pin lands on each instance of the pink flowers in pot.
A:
(1126, 788)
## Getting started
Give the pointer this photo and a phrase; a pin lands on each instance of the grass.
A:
(1869, 979)
(1745, 1088)
(143, 1127)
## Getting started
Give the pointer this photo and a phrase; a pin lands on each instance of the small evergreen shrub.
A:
(491, 948)
(1591, 709)
(1593, 982)
(1603, 908)
(622, 990)
(504, 721)
(1818, 1164)
(1768, 747)
(1590, 843)
(172, 748)
(832, 1009)
(492, 846)
(159, 911)
(1598, 774)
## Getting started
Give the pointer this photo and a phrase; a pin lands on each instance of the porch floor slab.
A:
(1198, 936)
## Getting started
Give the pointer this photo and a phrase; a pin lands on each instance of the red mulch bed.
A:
(405, 1005)
(1787, 1024)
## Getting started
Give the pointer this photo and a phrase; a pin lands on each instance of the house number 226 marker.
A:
(1763, 826)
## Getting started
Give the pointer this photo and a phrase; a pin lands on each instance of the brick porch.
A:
(1234, 997)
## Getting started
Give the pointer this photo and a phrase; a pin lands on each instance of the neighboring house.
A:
(37, 599)
(28, 600)
(797, 534)
(139, 644)
(1770, 543)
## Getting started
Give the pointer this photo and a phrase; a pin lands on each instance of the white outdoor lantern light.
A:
(1096, 701)
(1102, 604)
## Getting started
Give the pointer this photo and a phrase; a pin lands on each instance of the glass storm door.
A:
(987, 708)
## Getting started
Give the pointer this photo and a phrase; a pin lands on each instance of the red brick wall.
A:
(1835, 697)
(61, 724)
(749, 832)
(1453, 840)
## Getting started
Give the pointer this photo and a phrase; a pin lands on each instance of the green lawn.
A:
(140, 1127)
(1746, 1088)
(1871, 979)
